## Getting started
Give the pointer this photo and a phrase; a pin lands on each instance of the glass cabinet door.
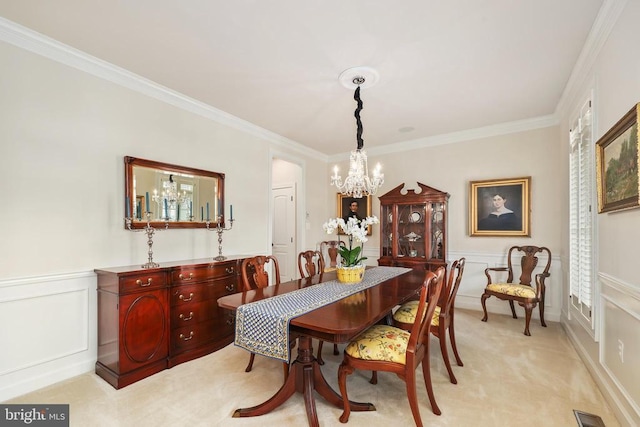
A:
(411, 230)
(437, 231)
(386, 230)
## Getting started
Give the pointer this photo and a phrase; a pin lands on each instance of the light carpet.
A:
(508, 379)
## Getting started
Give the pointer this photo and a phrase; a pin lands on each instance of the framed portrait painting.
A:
(350, 206)
(617, 165)
(500, 207)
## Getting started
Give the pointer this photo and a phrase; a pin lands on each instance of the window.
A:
(581, 217)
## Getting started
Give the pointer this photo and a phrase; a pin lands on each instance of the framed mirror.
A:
(177, 196)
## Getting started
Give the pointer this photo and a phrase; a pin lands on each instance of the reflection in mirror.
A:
(179, 196)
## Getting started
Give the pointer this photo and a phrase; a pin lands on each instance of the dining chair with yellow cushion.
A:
(521, 291)
(391, 349)
(254, 276)
(443, 316)
(311, 263)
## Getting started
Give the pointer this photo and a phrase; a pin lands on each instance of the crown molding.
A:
(604, 23)
(461, 136)
(25, 38)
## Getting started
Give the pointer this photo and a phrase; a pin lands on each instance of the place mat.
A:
(262, 327)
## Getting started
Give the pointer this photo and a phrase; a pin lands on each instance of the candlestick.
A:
(220, 229)
(150, 232)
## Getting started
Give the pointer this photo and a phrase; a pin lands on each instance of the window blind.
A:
(581, 220)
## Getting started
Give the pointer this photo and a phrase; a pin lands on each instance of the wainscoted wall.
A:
(49, 328)
(620, 346)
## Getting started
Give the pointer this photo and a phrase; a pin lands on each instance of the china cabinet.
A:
(413, 227)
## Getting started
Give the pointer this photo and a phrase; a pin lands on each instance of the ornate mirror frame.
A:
(176, 196)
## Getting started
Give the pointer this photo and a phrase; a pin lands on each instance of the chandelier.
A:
(170, 200)
(358, 183)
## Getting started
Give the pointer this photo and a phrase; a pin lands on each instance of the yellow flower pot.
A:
(350, 275)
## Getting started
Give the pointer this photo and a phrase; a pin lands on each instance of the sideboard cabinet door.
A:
(133, 319)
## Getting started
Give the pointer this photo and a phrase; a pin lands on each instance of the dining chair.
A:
(443, 316)
(391, 349)
(521, 291)
(311, 263)
(254, 276)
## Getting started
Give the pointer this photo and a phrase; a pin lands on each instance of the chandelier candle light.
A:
(358, 183)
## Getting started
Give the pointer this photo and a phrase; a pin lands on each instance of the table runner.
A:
(262, 327)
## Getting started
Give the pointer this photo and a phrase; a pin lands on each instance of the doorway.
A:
(286, 181)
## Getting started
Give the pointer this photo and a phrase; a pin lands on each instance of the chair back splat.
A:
(310, 263)
(255, 272)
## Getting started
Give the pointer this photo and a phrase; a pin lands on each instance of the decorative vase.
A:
(350, 275)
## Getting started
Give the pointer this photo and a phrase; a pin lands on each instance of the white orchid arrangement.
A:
(356, 231)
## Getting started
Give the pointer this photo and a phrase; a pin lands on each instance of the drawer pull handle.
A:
(187, 318)
(183, 338)
(140, 283)
(230, 270)
(181, 276)
(184, 299)
(230, 287)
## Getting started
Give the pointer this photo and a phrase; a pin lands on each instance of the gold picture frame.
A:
(500, 207)
(364, 208)
(617, 165)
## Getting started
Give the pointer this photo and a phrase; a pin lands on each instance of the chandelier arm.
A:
(356, 96)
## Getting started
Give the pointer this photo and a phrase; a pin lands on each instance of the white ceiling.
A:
(444, 66)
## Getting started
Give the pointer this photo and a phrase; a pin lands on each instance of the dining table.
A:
(336, 322)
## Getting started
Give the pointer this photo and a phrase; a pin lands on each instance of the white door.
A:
(284, 231)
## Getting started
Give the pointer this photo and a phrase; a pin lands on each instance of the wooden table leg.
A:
(305, 376)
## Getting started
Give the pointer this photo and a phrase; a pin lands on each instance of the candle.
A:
(166, 209)
(127, 207)
(207, 211)
(147, 200)
(231, 212)
(178, 214)
(191, 210)
(201, 213)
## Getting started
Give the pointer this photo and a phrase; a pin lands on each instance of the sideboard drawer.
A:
(142, 282)
(186, 275)
(189, 314)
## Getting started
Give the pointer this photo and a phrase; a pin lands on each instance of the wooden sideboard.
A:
(153, 319)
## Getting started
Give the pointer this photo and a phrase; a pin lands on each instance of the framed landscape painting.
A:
(617, 165)
(500, 207)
